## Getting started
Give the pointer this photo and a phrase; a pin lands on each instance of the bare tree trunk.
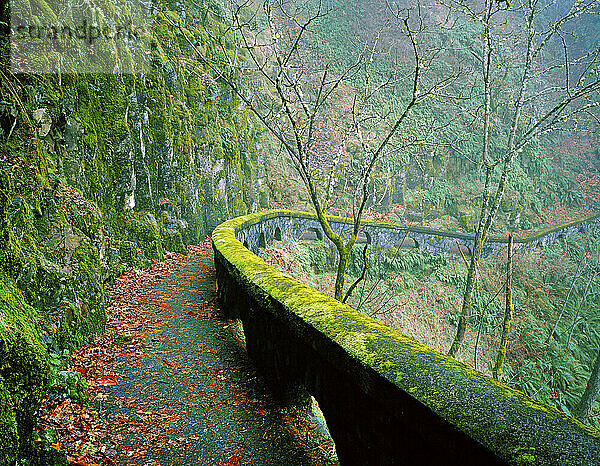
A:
(362, 275)
(508, 314)
(479, 234)
(488, 214)
(341, 274)
(489, 206)
(590, 395)
(466, 309)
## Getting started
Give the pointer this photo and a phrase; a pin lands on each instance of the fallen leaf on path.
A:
(233, 460)
(106, 381)
(83, 460)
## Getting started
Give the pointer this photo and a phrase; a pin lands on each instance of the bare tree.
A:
(540, 102)
(295, 94)
(509, 310)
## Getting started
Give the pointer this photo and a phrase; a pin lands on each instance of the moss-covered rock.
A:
(51, 292)
(143, 229)
(113, 265)
(69, 294)
(82, 213)
(12, 256)
(9, 440)
(174, 241)
(132, 255)
(71, 385)
(43, 453)
(24, 367)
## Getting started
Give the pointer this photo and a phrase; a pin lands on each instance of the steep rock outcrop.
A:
(98, 171)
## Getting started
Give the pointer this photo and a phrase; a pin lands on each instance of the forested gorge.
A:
(471, 117)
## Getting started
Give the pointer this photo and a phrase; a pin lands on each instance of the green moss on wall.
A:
(50, 281)
(129, 253)
(143, 229)
(12, 256)
(9, 440)
(24, 367)
(82, 307)
(512, 425)
(71, 385)
(174, 241)
(80, 201)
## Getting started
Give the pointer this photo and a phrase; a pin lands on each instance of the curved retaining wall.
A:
(281, 224)
(387, 398)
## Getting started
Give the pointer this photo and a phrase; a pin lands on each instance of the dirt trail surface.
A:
(170, 384)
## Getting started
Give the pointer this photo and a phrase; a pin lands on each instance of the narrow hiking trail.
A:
(171, 384)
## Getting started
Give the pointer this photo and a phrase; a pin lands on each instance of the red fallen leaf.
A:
(191, 314)
(233, 460)
(106, 381)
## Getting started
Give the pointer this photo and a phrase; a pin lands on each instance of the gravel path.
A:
(192, 391)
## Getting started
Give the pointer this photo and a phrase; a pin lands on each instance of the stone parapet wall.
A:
(288, 225)
(387, 398)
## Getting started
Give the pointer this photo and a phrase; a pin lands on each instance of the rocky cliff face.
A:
(99, 171)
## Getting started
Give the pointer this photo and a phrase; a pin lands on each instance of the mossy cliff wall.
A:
(100, 170)
(24, 369)
(387, 399)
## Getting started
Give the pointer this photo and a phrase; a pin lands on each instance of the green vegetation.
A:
(435, 176)
(554, 338)
(99, 172)
(559, 330)
(24, 371)
(104, 171)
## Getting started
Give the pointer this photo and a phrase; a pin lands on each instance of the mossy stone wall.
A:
(24, 370)
(383, 236)
(387, 398)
